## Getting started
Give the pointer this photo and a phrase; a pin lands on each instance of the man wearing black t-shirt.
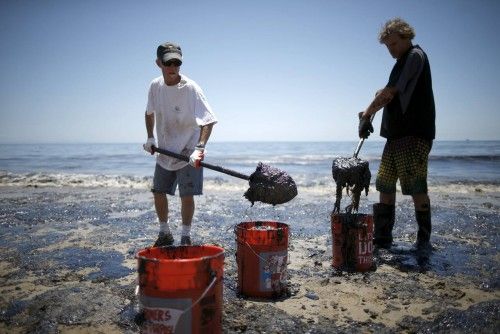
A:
(408, 124)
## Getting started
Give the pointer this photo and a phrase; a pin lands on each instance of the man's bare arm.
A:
(150, 124)
(205, 132)
(382, 98)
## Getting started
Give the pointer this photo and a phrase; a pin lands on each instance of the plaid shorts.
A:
(188, 179)
(405, 159)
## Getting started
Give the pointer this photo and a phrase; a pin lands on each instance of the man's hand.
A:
(197, 156)
(365, 126)
(149, 145)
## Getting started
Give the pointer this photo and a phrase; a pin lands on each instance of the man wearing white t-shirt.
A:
(184, 121)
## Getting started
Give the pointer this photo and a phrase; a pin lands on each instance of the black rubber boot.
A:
(383, 219)
(424, 229)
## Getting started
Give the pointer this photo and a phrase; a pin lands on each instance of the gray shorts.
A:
(189, 180)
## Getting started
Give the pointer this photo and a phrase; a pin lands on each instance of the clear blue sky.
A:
(79, 71)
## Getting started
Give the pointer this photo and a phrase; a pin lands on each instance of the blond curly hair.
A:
(396, 25)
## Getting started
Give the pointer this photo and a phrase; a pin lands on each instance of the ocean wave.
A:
(8, 179)
(306, 182)
(465, 188)
(73, 180)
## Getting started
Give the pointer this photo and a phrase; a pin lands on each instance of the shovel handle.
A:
(203, 164)
(361, 141)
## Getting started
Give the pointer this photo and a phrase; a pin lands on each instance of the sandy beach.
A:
(67, 262)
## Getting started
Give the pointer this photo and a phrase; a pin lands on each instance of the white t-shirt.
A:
(179, 111)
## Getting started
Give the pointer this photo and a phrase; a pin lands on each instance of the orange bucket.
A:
(180, 289)
(352, 236)
(262, 255)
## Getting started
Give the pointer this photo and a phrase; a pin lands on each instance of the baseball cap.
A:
(168, 51)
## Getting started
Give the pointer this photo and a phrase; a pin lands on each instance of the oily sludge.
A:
(270, 185)
(354, 175)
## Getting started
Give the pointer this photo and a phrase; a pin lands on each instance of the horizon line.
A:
(232, 141)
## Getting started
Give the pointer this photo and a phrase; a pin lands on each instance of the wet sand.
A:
(67, 262)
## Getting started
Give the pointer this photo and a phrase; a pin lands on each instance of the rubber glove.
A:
(197, 156)
(365, 126)
(149, 144)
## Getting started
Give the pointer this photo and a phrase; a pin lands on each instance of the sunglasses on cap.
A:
(175, 62)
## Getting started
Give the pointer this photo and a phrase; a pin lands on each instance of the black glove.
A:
(365, 127)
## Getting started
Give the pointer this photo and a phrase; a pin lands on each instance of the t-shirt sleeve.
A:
(409, 77)
(150, 108)
(202, 110)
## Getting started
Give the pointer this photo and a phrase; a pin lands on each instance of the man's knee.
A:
(160, 197)
(187, 200)
(388, 198)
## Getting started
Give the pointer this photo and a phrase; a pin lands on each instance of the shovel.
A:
(267, 184)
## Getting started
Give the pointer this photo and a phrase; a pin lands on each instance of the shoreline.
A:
(67, 263)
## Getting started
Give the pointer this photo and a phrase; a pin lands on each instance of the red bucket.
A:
(262, 255)
(180, 289)
(352, 236)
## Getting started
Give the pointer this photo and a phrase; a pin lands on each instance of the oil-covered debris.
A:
(42, 292)
(270, 185)
(354, 175)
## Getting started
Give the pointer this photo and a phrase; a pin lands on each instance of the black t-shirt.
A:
(412, 111)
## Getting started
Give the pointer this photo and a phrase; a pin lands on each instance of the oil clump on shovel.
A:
(270, 185)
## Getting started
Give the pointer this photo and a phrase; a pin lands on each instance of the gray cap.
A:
(168, 51)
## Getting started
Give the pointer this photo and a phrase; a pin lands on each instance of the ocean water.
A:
(309, 163)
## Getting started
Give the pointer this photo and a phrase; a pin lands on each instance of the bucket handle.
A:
(213, 275)
(210, 286)
(260, 257)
